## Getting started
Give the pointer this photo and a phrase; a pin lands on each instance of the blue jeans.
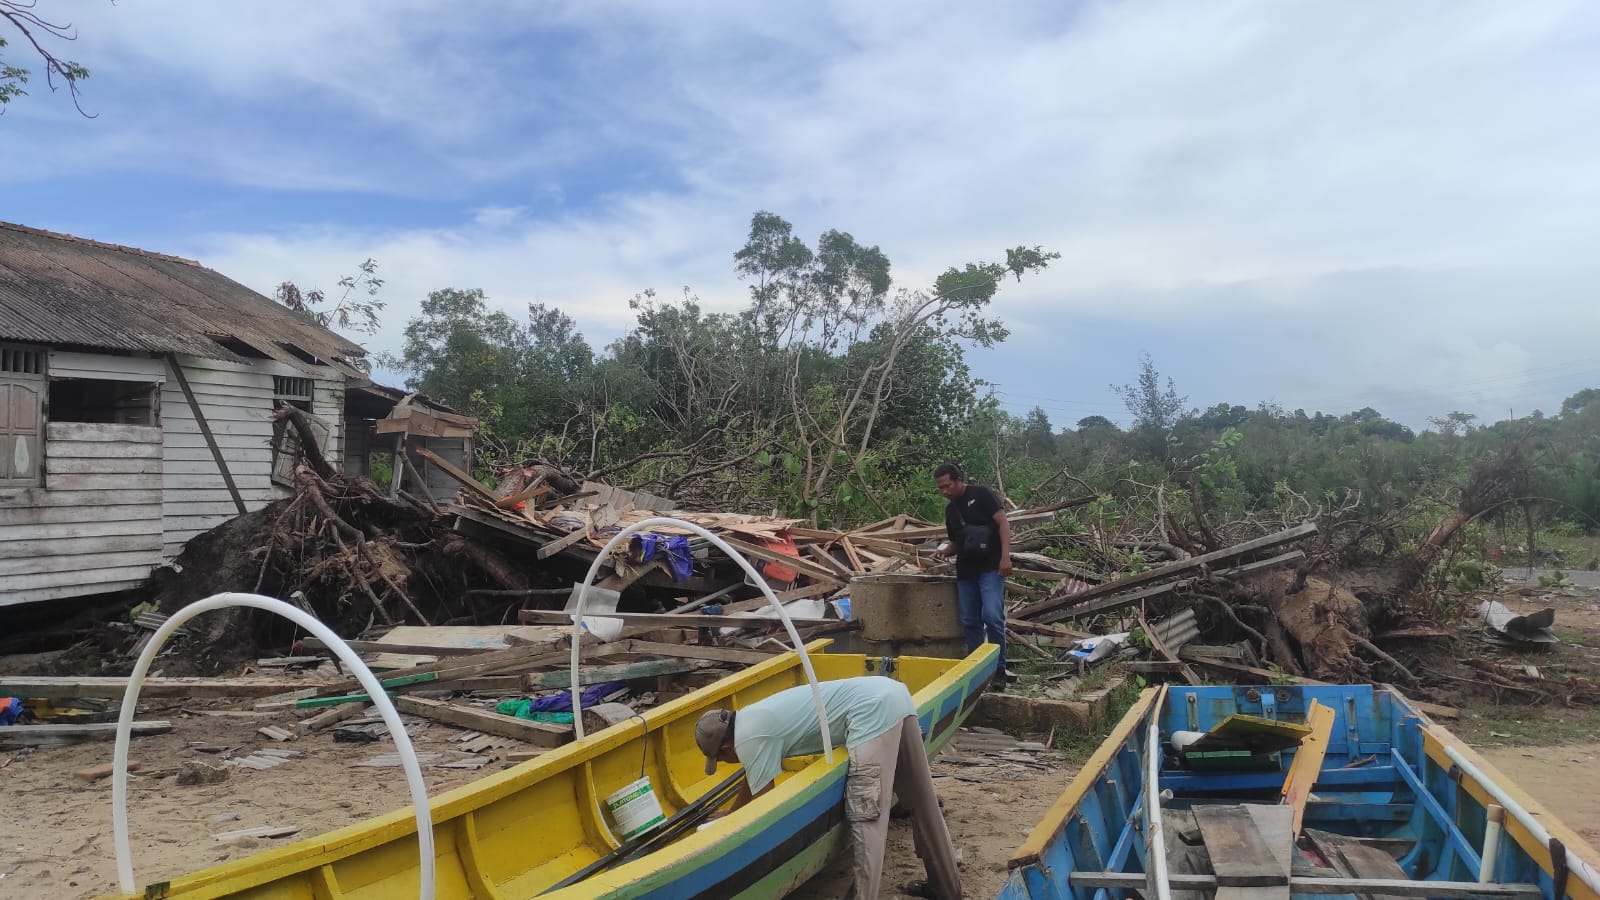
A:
(982, 604)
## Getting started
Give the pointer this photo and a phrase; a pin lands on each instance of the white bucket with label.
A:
(635, 808)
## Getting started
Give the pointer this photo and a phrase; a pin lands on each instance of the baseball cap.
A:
(710, 733)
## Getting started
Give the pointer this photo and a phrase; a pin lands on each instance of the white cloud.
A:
(1193, 162)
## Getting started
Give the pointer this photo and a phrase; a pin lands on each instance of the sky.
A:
(1319, 205)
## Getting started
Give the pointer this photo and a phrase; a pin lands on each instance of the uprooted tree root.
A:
(343, 551)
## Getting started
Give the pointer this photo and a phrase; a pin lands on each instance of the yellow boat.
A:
(539, 829)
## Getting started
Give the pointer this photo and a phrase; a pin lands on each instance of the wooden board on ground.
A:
(539, 734)
(15, 736)
(660, 620)
(114, 686)
(476, 638)
(650, 668)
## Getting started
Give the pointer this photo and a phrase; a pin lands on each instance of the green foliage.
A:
(357, 308)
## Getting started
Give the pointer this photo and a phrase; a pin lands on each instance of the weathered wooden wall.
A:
(237, 402)
(95, 525)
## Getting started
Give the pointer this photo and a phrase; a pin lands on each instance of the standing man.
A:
(876, 721)
(980, 540)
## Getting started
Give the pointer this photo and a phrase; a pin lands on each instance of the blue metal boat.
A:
(1378, 802)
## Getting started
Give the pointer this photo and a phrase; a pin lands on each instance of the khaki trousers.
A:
(895, 762)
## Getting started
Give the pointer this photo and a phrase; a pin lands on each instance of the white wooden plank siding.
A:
(237, 402)
(67, 364)
(95, 525)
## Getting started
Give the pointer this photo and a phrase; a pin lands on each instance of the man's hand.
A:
(943, 552)
(1005, 566)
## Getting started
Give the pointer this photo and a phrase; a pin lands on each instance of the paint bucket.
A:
(635, 808)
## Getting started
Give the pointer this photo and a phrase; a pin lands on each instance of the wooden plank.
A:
(1263, 674)
(44, 565)
(76, 590)
(148, 540)
(81, 432)
(1307, 763)
(650, 668)
(123, 463)
(205, 429)
(1275, 539)
(1299, 885)
(62, 450)
(560, 544)
(112, 687)
(465, 480)
(696, 651)
(312, 643)
(1116, 600)
(149, 523)
(799, 564)
(657, 620)
(327, 717)
(540, 734)
(81, 578)
(12, 736)
(1240, 856)
(74, 364)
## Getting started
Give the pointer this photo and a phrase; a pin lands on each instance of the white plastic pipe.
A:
(736, 556)
(1491, 842)
(1575, 864)
(1155, 854)
(369, 683)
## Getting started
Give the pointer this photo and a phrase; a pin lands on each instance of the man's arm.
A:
(739, 799)
(1004, 525)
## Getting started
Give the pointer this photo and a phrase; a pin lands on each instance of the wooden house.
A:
(136, 400)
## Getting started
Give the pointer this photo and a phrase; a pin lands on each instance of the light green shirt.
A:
(859, 709)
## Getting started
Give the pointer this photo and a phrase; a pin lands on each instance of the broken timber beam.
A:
(649, 668)
(653, 620)
(1110, 595)
(13, 736)
(1166, 653)
(539, 734)
(466, 481)
(112, 687)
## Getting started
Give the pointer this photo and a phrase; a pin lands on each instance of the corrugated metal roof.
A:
(60, 289)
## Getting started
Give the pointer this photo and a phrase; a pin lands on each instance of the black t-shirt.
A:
(976, 506)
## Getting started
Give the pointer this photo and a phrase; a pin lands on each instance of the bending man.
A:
(874, 719)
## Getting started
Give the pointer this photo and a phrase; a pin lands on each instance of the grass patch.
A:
(1077, 745)
(1526, 726)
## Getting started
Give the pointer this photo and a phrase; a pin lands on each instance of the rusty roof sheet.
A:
(60, 289)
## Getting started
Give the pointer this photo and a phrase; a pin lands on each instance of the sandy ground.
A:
(1562, 778)
(55, 829)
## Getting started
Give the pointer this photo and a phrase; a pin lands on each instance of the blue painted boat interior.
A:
(1375, 782)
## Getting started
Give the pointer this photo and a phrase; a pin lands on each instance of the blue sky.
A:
(1322, 205)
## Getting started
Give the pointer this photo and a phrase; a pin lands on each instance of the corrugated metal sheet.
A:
(59, 289)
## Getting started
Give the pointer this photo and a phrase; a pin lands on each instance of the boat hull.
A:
(1391, 777)
(516, 834)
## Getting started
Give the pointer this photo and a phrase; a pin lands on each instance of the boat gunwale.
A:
(1055, 818)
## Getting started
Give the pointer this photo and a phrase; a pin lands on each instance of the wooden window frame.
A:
(23, 367)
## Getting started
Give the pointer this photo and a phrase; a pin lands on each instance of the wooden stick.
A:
(205, 431)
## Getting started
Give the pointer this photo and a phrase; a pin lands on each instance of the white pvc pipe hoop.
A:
(369, 683)
(736, 556)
